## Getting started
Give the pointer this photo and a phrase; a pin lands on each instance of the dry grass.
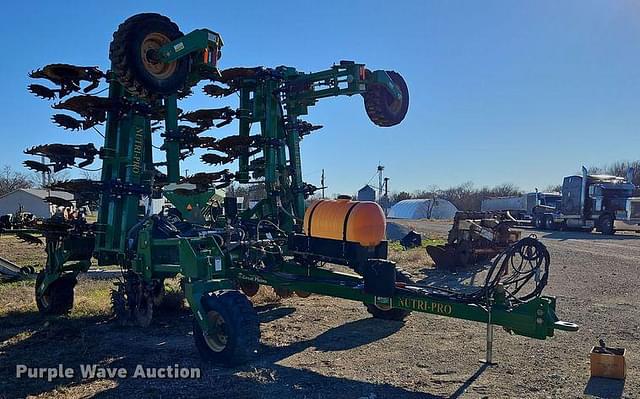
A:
(417, 257)
(85, 335)
(16, 251)
(325, 347)
(91, 299)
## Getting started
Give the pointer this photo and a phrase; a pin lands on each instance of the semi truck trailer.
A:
(602, 202)
(520, 206)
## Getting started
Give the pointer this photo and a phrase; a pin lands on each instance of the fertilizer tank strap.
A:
(313, 209)
(346, 221)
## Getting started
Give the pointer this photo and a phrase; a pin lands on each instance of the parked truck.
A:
(602, 202)
(520, 207)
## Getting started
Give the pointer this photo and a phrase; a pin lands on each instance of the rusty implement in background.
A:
(475, 237)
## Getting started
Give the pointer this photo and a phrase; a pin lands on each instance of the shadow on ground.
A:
(468, 278)
(97, 340)
(579, 235)
(604, 388)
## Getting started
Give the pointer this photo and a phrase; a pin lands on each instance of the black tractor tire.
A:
(135, 69)
(57, 299)
(549, 224)
(606, 225)
(236, 337)
(394, 313)
(381, 107)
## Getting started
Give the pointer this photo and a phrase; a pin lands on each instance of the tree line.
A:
(11, 179)
(464, 196)
(468, 197)
(619, 168)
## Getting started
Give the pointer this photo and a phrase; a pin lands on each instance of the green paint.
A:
(267, 102)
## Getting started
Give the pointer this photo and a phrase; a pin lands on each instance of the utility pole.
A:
(322, 183)
(380, 181)
(44, 183)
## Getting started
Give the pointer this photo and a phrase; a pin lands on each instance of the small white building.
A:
(31, 200)
(423, 209)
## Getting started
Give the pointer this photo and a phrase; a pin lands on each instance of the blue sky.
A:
(501, 91)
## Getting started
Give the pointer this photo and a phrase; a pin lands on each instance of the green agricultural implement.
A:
(224, 253)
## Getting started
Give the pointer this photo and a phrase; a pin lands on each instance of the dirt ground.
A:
(323, 347)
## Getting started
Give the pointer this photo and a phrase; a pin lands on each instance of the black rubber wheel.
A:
(132, 57)
(538, 222)
(392, 314)
(606, 225)
(234, 334)
(382, 108)
(249, 288)
(549, 224)
(57, 299)
(283, 293)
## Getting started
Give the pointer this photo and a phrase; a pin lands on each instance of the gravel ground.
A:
(330, 348)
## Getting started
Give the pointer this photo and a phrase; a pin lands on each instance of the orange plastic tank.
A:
(355, 221)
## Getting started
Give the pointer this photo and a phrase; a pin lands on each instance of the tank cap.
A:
(343, 197)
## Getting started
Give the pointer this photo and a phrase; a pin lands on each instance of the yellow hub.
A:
(152, 43)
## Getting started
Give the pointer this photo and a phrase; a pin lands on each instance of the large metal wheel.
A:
(134, 57)
(384, 109)
(57, 299)
(232, 336)
(393, 313)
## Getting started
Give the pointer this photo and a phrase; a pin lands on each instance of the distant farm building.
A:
(31, 200)
(423, 209)
(366, 193)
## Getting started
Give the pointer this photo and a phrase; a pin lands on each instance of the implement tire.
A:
(131, 55)
(234, 329)
(394, 313)
(57, 299)
(382, 108)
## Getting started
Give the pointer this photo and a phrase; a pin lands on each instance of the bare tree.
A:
(249, 192)
(11, 180)
(464, 196)
(36, 179)
(619, 168)
(552, 188)
(399, 196)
